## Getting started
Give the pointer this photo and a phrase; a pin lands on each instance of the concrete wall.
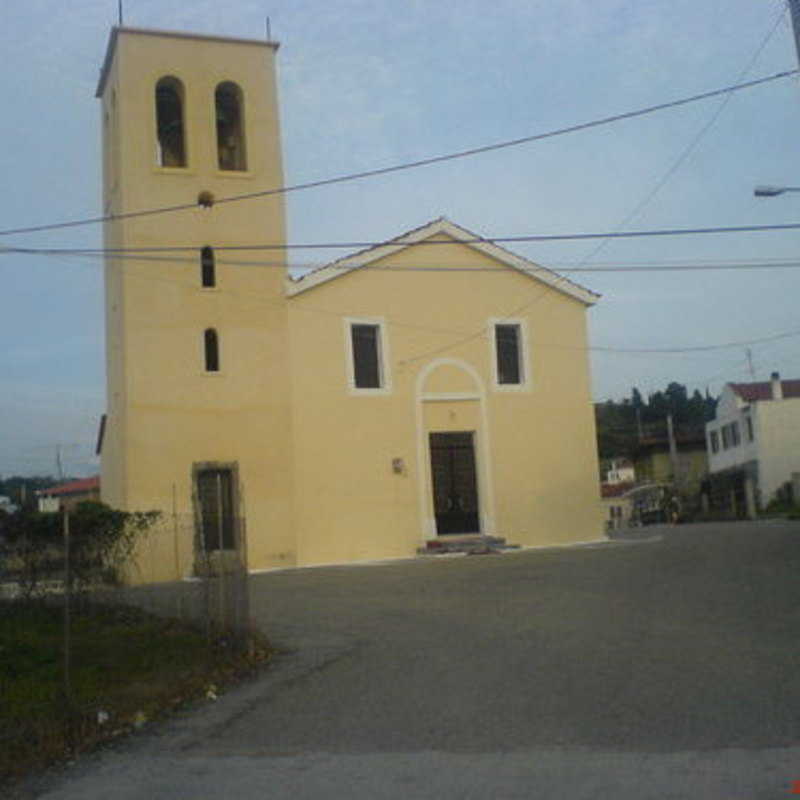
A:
(731, 408)
(316, 461)
(535, 447)
(778, 438)
(166, 412)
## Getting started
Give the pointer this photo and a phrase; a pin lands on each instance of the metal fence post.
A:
(67, 630)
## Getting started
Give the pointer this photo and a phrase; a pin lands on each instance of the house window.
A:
(509, 354)
(366, 341)
(714, 439)
(749, 424)
(211, 343)
(230, 127)
(730, 435)
(207, 268)
(170, 133)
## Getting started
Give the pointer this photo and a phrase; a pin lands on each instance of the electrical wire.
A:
(263, 298)
(526, 307)
(695, 141)
(756, 264)
(524, 238)
(410, 164)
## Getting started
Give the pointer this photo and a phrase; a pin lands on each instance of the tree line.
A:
(621, 425)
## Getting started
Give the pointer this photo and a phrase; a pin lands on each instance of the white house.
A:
(753, 443)
(6, 505)
(620, 470)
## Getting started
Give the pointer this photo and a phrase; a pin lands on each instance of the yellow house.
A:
(434, 385)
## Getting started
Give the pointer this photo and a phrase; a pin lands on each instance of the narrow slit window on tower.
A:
(211, 342)
(208, 268)
(170, 133)
(230, 127)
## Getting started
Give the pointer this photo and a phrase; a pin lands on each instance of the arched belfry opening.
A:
(170, 125)
(229, 107)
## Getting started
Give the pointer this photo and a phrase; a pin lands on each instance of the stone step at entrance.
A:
(471, 544)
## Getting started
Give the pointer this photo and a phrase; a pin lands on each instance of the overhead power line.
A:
(270, 299)
(424, 162)
(534, 237)
(647, 266)
(693, 143)
(698, 349)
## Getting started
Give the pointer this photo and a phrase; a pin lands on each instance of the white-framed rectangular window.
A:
(509, 354)
(367, 356)
(713, 437)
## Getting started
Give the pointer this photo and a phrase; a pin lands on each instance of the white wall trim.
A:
(449, 229)
(442, 397)
(482, 443)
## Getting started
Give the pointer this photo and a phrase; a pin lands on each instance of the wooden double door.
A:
(455, 484)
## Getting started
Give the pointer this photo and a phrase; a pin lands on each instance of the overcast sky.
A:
(368, 83)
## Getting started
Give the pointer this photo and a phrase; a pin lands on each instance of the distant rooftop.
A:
(73, 487)
(762, 390)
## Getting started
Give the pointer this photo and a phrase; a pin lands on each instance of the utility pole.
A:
(750, 364)
(794, 9)
(59, 466)
(673, 450)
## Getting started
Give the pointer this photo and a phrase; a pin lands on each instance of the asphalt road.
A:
(640, 669)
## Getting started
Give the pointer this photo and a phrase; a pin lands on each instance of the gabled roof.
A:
(73, 487)
(762, 390)
(449, 231)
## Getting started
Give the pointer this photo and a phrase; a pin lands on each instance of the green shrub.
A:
(101, 541)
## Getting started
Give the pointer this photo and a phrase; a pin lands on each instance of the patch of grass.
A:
(127, 666)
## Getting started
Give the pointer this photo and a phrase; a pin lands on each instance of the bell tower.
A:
(196, 345)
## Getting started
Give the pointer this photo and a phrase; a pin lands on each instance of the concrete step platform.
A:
(471, 544)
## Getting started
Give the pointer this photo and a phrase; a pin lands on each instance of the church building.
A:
(430, 388)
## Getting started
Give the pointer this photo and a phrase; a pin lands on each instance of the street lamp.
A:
(773, 191)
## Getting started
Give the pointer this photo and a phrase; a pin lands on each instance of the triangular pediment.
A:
(437, 232)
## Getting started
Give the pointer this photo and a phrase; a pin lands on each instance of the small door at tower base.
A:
(455, 485)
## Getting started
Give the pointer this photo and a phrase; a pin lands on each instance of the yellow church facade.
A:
(432, 387)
